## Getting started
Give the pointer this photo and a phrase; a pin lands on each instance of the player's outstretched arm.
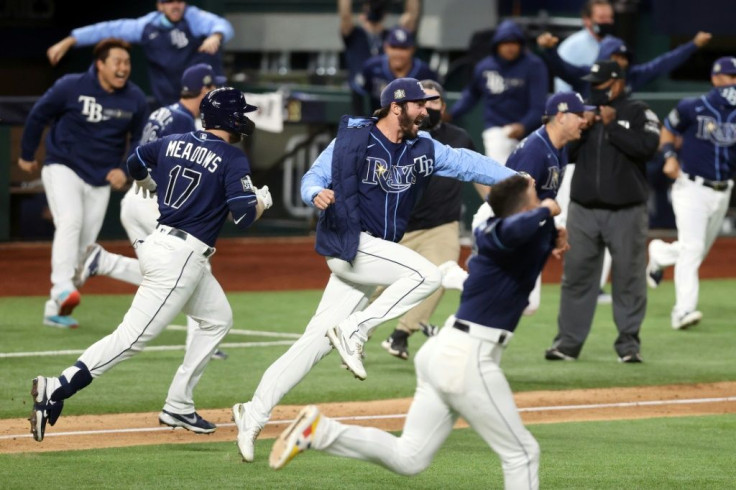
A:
(56, 52)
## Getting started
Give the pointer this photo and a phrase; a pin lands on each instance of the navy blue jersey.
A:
(359, 46)
(511, 253)
(169, 48)
(89, 126)
(707, 125)
(200, 177)
(537, 156)
(511, 92)
(172, 119)
(376, 74)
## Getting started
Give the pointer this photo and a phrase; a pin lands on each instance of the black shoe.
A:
(634, 357)
(397, 344)
(428, 329)
(554, 354)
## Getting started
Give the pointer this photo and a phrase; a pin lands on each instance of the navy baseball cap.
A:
(398, 37)
(201, 75)
(725, 65)
(566, 102)
(404, 90)
(603, 71)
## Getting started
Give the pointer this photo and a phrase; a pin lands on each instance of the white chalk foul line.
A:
(154, 348)
(399, 416)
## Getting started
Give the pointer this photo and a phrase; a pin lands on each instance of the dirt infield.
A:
(278, 263)
(116, 430)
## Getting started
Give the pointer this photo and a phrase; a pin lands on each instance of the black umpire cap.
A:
(602, 71)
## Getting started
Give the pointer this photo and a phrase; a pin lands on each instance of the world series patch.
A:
(247, 184)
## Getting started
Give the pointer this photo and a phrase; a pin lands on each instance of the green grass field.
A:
(657, 453)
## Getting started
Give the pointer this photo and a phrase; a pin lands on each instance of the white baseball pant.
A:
(498, 145)
(78, 210)
(458, 375)
(699, 213)
(176, 279)
(408, 278)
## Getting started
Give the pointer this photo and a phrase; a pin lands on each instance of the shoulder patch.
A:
(651, 115)
(247, 184)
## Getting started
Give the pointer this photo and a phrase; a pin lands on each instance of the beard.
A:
(409, 127)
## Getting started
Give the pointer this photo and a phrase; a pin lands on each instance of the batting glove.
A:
(264, 197)
(147, 186)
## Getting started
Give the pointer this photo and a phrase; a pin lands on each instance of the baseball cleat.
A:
(632, 358)
(60, 321)
(44, 410)
(350, 350)
(296, 438)
(191, 421)
(554, 354)
(88, 265)
(686, 320)
(219, 355)
(654, 271)
(429, 330)
(397, 344)
(67, 301)
(248, 431)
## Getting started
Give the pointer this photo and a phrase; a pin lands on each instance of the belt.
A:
(716, 185)
(497, 335)
(186, 236)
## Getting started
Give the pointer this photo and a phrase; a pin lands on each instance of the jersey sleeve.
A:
(506, 234)
(680, 117)
(142, 159)
(48, 107)
(240, 192)
(129, 30)
(467, 165)
(319, 176)
(205, 23)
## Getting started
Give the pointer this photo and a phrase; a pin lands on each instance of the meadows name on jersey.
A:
(195, 154)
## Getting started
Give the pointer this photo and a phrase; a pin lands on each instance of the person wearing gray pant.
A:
(608, 198)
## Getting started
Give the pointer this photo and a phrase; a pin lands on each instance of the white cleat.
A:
(248, 431)
(88, 265)
(686, 320)
(350, 350)
(296, 438)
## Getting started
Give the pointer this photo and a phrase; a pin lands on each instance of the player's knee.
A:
(411, 464)
(432, 277)
(527, 454)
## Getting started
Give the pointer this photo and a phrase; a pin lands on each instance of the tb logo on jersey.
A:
(91, 108)
(723, 134)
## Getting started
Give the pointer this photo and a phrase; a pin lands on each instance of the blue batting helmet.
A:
(225, 108)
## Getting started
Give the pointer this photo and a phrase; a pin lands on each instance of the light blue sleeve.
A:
(129, 30)
(319, 176)
(205, 23)
(467, 165)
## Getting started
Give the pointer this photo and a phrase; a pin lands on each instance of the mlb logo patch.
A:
(247, 184)
(399, 94)
(562, 107)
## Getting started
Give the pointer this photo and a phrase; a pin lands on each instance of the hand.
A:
(546, 40)
(702, 38)
(551, 204)
(28, 166)
(671, 168)
(514, 130)
(608, 114)
(590, 119)
(147, 187)
(117, 179)
(323, 199)
(211, 44)
(58, 50)
(264, 197)
(561, 244)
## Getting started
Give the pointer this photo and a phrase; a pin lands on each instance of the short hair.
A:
(432, 85)
(102, 49)
(587, 10)
(508, 196)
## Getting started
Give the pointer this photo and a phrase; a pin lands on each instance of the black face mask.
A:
(434, 116)
(603, 30)
(248, 127)
(600, 96)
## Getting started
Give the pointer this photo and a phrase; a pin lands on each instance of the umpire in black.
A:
(608, 198)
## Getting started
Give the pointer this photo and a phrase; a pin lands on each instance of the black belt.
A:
(465, 328)
(184, 235)
(716, 185)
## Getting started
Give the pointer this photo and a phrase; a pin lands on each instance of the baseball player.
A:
(199, 178)
(139, 215)
(458, 371)
(91, 116)
(365, 184)
(173, 37)
(703, 170)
